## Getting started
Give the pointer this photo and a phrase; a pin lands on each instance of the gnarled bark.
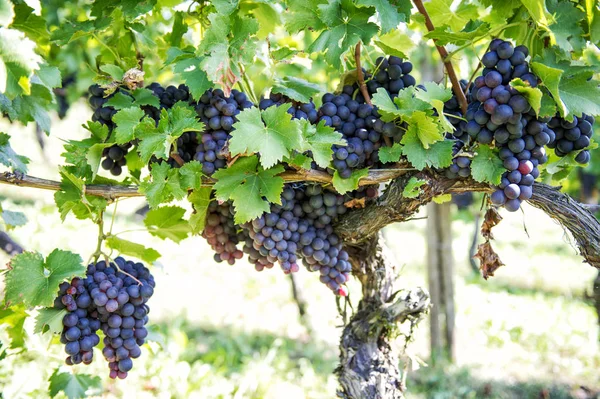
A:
(369, 362)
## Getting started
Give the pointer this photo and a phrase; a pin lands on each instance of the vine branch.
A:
(460, 95)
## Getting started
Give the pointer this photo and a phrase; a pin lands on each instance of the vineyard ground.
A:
(233, 332)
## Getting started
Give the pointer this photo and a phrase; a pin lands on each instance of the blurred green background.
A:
(230, 332)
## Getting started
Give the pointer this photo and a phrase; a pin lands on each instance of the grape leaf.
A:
(228, 43)
(395, 43)
(246, 183)
(580, 95)
(441, 199)
(34, 282)
(167, 222)
(388, 14)
(303, 14)
(385, 105)
(13, 219)
(180, 27)
(390, 154)
(8, 157)
(70, 198)
(126, 121)
(300, 161)
(274, 138)
(119, 101)
(75, 386)
(346, 24)
(32, 107)
(486, 166)
(225, 7)
(551, 79)
(34, 26)
(163, 186)
(402, 107)
(538, 11)
(532, 94)
(18, 60)
(425, 128)
(49, 320)
(436, 95)
(413, 187)
(193, 76)
(70, 30)
(128, 248)
(318, 139)
(441, 12)
(13, 319)
(191, 175)
(438, 155)
(157, 139)
(7, 12)
(345, 185)
(296, 89)
(566, 27)
(199, 198)
(144, 96)
(444, 34)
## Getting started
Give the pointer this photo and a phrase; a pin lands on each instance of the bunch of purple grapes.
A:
(572, 136)
(221, 232)
(297, 109)
(218, 114)
(112, 298)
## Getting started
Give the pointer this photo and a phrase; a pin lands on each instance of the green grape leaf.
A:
(566, 27)
(94, 157)
(8, 157)
(199, 198)
(437, 95)
(486, 166)
(193, 76)
(157, 139)
(538, 11)
(13, 320)
(74, 386)
(119, 101)
(438, 155)
(70, 31)
(267, 14)
(246, 183)
(7, 12)
(441, 199)
(71, 198)
(442, 13)
(403, 106)
(13, 219)
(532, 94)
(300, 161)
(158, 190)
(128, 248)
(387, 13)
(225, 7)
(49, 320)
(114, 71)
(144, 96)
(303, 14)
(127, 120)
(180, 27)
(18, 60)
(395, 43)
(385, 105)
(191, 175)
(32, 107)
(548, 107)
(167, 222)
(390, 154)
(343, 186)
(33, 25)
(580, 95)
(228, 43)
(425, 128)
(346, 24)
(274, 138)
(296, 89)
(413, 187)
(551, 79)
(444, 34)
(319, 139)
(34, 282)
(283, 53)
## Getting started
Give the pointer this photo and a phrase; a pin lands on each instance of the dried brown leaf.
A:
(356, 203)
(492, 218)
(488, 258)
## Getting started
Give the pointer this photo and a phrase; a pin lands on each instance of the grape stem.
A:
(460, 95)
(177, 158)
(359, 75)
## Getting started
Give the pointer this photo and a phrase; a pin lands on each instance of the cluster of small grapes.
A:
(221, 233)
(572, 136)
(461, 164)
(297, 109)
(112, 298)
(455, 116)
(393, 74)
(218, 114)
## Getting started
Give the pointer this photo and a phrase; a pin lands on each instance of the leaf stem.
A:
(114, 54)
(250, 93)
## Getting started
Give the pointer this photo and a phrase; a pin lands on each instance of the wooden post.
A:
(440, 267)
